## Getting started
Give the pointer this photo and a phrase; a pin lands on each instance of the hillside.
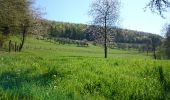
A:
(48, 70)
(80, 32)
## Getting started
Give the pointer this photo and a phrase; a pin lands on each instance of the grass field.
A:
(49, 71)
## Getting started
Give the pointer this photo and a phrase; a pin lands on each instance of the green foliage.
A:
(130, 36)
(70, 72)
(66, 30)
(81, 31)
(14, 13)
(15, 16)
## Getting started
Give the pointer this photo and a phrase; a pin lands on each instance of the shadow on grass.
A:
(167, 87)
(15, 81)
(46, 78)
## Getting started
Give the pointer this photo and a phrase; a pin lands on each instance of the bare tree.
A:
(105, 15)
(155, 42)
(158, 6)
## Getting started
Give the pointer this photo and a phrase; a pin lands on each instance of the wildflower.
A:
(55, 75)
(55, 86)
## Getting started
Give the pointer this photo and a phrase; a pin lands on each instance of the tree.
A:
(158, 6)
(105, 14)
(148, 43)
(38, 26)
(14, 15)
(17, 17)
(167, 41)
(155, 42)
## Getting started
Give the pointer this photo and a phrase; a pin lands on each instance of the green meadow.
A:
(47, 70)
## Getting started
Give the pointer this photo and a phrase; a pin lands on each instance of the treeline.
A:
(66, 30)
(131, 36)
(80, 32)
(118, 38)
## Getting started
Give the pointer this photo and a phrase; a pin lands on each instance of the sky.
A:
(132, 14)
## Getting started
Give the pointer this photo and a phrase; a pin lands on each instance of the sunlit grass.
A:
(69, 72)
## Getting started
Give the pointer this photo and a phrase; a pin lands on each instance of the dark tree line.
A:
(130, 36)
(83, 32)
(67, 30)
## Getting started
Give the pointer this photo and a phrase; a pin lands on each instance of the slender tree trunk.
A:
(105, 39)
(147, 49)
(9, 45)
(23, 38)
(154, 52)
(15, 46)
(147, 52)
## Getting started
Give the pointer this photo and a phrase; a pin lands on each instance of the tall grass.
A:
(70, 72)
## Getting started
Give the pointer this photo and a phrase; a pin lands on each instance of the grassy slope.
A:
(52, 71)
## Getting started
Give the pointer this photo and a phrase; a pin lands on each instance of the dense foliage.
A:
(13, 14)
(18, 17)
(80, 32)
(67, 30)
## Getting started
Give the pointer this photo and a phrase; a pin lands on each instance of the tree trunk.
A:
(15, 46)
(23, 38)
(9, 45)
(147, 51)
(105, 39)
(154, 52)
